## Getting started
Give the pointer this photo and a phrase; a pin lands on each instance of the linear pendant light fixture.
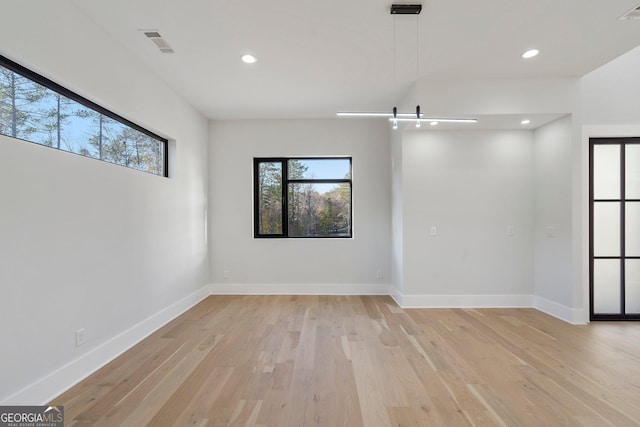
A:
(394, 116)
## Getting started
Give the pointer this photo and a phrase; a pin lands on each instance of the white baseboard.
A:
(299, 289)
(396, 295)
(562, 312)
(52, 385)
(465, 301)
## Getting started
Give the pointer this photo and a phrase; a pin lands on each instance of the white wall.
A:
(510, 98)
(298, 265)
(611, 93)
(397, 227)
(498, 96)
(86, 244)
(472, 186)
(553, 213)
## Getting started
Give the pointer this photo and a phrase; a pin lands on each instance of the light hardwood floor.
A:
(363, 361)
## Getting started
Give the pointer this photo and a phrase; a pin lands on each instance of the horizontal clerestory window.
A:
(36, 109)
(302, 197)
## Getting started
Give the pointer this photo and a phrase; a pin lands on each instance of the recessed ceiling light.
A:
(433, 123)
(248, 58)
(525, 122)
(530, 53)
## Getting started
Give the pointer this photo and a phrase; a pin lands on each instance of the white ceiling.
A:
(316, 57)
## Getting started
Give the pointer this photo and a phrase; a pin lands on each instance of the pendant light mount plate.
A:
(406, 9)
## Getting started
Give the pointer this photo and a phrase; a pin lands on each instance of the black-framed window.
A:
(302, 197)
(36, 109)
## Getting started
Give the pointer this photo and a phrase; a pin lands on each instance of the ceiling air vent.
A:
(157, 39)
(632, 14)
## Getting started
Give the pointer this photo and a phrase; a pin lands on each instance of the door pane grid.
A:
(614, 229)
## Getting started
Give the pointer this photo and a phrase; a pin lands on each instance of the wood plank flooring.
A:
(362, 361)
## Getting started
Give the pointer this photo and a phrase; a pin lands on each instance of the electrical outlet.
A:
(80, 337)
(379, 274)
(510, 230)
(434, 230)
(226, 274)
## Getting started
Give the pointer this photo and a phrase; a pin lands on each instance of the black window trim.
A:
(50, 84)
(285, 199)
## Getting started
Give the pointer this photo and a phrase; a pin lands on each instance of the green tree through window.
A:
(35, 109)
(302, 197)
